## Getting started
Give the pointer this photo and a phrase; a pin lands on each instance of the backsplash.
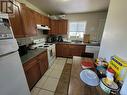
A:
(29, 40)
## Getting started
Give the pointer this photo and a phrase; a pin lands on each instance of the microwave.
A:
(5, 27)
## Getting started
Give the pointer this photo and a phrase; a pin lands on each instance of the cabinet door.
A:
(28, 20)
(16, 22)
(77, 50)
(63, 24)
(66, 50)
(31, 22)
(46, 21)
(54, 27)
(38, 18)
(42, 20)
(43, 61)
(59, 48)
(32, 72)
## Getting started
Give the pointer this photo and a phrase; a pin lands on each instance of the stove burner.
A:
(46, 46)
(40, 46)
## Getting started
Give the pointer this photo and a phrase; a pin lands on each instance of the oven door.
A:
(50, 54)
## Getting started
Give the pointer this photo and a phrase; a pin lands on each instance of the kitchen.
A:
(53, 39)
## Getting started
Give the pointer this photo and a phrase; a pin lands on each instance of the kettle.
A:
(60, 39)
(49, 39)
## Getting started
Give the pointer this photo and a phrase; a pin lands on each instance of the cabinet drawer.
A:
(29, 64)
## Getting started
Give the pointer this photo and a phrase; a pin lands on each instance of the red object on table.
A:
(111, 70)
(87, 63)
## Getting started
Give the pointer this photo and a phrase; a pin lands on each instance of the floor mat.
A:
(63, 84)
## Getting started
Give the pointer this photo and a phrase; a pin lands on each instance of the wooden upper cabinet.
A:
(42, 20)
(54, 27)
(46, 20)
(59, 26)
(28, 20)
(38, 18)
(63, 24)
(16, 22)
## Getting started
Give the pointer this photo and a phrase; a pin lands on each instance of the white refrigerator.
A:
(12, 77)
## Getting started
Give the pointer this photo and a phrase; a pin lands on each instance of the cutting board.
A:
(86, 38)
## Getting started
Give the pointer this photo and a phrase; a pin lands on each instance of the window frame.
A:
(77, 30)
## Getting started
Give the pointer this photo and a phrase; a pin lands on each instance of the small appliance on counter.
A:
(51, 39)
(86, 38)
(22, 50)
(60, 39)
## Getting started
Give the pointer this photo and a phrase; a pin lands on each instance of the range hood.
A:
(42, 27)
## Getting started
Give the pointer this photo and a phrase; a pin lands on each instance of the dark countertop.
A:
(79, 43)
(72, 43)
(31, 54)
(92, 44)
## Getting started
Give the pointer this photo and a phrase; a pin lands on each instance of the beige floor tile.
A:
(52, 67)
(48, 72)
(58, 68)
(51, 84)
(60, 58)
(35, 91)
(55, 74)
(41, 82)
(45, 92)
(69, 60)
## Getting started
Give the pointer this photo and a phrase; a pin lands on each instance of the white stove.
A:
(40, 43)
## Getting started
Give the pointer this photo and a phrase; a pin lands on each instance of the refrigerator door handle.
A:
(8, 53)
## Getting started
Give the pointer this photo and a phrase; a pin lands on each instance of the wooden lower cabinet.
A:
(35, 68)
(32, 72)
(77, 50)
(69, 50)
(66, 51)
(43, 62)
(59, 49)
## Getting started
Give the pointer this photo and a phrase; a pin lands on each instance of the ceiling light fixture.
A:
(65, 0)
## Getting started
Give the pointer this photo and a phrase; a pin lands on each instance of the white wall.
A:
(114, 40)
(93, 20)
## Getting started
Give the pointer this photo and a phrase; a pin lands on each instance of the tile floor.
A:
(48, 83)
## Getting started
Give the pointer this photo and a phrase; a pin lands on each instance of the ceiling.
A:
(54, 7)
